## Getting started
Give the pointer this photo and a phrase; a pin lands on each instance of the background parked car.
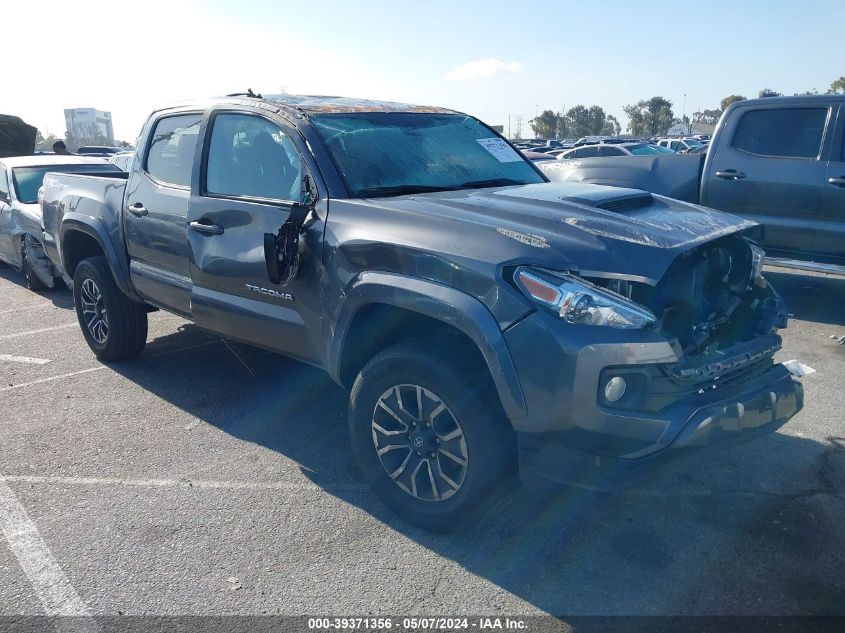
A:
(614, 149)
(99, 150)
(681, 145)
(20, 215)
(536, 156)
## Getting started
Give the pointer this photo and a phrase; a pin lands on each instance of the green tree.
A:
(650, 118)
(545, 125)
(728, 101)
(768, 92)
(578, 121)
(611, 126)
(708, 117)
(44, 143)
(597, 118)
(837, 87)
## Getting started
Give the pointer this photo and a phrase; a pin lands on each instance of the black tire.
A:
(125, 332)
(489, 446)
(33, 282)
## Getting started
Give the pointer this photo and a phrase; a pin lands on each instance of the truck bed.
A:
(98, 196)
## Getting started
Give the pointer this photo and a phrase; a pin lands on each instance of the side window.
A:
(4, 183)
(589, 152)
(170, 156)
(675, 146)
(781, 132)
(252, 157)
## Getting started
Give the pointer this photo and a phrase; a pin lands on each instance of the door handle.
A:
(730, 174)
(206, 229)
(138, 210)
(839, 182)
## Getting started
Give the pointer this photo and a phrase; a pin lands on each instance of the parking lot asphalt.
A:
(208, 477)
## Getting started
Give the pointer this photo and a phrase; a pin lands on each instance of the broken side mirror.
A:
(281, 251)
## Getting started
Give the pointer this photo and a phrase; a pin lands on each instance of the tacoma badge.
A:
(286, 296)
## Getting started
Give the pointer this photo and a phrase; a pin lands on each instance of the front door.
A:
(156, 213)
(768, 168)
(252, 175)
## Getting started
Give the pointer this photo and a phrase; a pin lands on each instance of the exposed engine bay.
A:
(711, 298)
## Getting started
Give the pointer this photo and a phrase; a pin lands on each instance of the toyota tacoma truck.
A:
(779, 161)
(479, 315)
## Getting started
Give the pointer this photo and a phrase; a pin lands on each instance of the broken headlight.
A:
(577, 301)
(758, 258)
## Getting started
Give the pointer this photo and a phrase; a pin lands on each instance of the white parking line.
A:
(51, 378)
(203, 484)
(34, 306)
(51, 585)
(23, 359)
(6, 337)
(99, 367)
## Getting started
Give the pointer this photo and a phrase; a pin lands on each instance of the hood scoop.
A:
(615, 204)
(628, 203)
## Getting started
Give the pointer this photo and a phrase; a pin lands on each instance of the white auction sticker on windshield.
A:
(503, 152)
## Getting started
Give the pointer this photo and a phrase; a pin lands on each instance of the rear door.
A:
(829, 243)
(252, 174)
(767, 166)
(156, 213)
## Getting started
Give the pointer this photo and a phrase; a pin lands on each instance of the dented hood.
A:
(586, 228)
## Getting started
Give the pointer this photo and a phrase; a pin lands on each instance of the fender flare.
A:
(448, 305)
(93, 228)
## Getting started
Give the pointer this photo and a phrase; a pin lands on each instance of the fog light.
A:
(615, 389)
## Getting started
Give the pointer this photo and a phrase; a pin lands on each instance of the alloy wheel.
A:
(419, 442)
(94, 311)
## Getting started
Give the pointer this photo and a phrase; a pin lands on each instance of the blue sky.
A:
(491, 59)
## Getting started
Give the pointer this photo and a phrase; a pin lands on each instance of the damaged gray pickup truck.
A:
(479, 315)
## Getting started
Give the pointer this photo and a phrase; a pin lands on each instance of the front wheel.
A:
(33, 281)
(114, 327)
(429, 439)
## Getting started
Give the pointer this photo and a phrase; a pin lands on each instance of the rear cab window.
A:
(782, 132)
(173, 144)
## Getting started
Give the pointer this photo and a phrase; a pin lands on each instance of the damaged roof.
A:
(312, 104)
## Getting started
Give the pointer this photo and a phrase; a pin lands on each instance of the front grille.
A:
(632, 203)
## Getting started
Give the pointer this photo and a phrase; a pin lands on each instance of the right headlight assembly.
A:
(578, 301)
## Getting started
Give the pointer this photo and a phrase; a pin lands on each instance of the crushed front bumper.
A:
(752, 410)
(571, 436)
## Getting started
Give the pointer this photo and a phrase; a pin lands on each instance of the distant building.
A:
(88, 123)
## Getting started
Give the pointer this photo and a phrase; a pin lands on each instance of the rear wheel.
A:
(114, 327)
(429, 438)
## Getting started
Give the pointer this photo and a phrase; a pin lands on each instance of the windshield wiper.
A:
(491, 182)
(399, 190)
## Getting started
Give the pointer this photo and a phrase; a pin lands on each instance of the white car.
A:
(20, 215)
(681, 145)
(614, 149)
